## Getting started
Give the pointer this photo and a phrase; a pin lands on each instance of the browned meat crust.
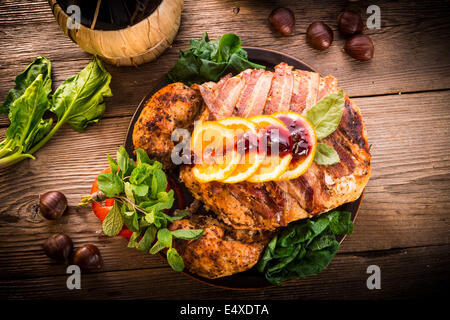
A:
(174, 106)
(221, 251)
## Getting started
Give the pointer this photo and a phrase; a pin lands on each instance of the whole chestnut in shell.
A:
(88, 258)
(58, 247)
(283, 20)
(52, 204)
(350, 22)
(360, 47)
(319, 35)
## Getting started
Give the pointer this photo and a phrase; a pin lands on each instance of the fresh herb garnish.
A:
(209, 60)
(304, 248)
(325, 116)
(140, 197)
(325, 154)
(78, 101)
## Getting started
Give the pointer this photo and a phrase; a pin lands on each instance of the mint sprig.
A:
(140, 197)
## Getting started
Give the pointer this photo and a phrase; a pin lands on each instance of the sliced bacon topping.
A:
(327, 85)
(281, 91)
(252, 103)
(304, 93)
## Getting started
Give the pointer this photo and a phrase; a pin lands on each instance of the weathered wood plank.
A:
(410, 54)
(403, 164)
(410, 273)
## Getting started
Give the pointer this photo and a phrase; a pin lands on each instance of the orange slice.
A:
(273, 166)
(294, 122)
(216, 156)
(250, 160)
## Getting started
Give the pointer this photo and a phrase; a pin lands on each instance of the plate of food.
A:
(274, 206)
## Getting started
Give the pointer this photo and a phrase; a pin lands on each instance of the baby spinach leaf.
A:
(110, 184)
(40, 66)
(326, 114)
(187, 234)
(304, 248)
(207, 60)
(79, 99)
(174, 259)
(113, 222)
(326, 155)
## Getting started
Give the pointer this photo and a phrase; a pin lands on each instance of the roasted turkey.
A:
(255, 207)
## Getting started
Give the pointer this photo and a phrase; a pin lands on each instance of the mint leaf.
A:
(175, 260)
(140, 190)
(147, 239)
(110, 184)
(112, 164)
(129, 191)
(130, 219)
(187, 234)
(113, 222)
(142, 157)
(326, 114)
(164, 241)
(141, 173)
(159, 182)
(326, 155)
(123, 161)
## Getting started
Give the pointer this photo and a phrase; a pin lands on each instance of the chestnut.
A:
(52, 204)
(350, 22)
(319, 35)
(88, 258)
(360, 47)
(283, 20)
(58, 247)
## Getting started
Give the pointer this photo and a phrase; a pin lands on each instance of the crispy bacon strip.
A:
(281, 91)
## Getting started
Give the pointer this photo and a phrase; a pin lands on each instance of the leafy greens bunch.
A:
(78, 101)
(140, 197)
(304, 248)
(325, 116)
(209, 60)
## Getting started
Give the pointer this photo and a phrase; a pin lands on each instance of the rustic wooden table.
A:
(404, 94)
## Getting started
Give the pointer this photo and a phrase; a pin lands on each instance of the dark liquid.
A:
(301, 141)
(274, 138)
(112, 14)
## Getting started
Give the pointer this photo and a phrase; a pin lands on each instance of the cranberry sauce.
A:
(301, 141)
(274, 138)
(248, 142)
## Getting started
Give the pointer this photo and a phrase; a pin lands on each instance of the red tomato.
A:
(102, 211)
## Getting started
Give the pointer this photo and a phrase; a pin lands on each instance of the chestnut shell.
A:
(58, 247)
(88, 258)
(52, 204)
(360, 47)
(350, 22)
(319, 35)
(282, 20)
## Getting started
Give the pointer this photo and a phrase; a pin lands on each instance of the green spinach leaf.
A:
(40, 66)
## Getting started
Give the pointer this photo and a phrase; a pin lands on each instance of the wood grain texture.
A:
(403, 225)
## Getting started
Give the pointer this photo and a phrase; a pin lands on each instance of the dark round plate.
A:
(250, 279)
